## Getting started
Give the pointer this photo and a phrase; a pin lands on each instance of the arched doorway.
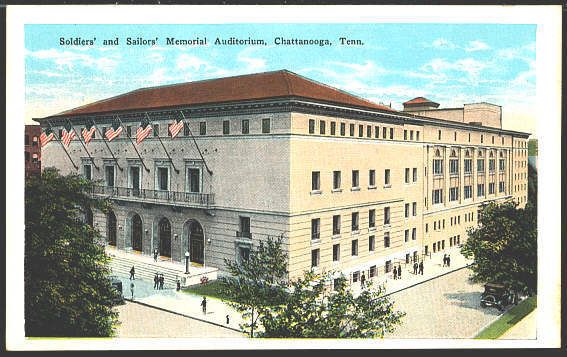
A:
(196, 243)
(164, 231)
(136, 233)
(111, 228)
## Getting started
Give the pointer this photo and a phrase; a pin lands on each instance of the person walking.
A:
(132, 272)
(155, 254)
(415, 268)
(156, 281)
(449, 260)
(204, 305)
(227, 320)
(161, 281)
(395, 273)
(444, 259)
(178, 284)
(132, 289)
(421, 267)
(399, 272)
(362, 280)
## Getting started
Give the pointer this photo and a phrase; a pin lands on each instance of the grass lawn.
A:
(509, 319)
(211, 289)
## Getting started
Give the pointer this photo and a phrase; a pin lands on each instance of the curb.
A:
(426, 280)
(180, 314)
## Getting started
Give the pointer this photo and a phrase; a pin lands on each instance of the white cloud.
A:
(442, 43)
(154, 57)
(189, 62)
(67, 60)
(253, 64)
(476, 46)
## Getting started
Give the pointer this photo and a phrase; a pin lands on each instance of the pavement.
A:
(525, 329)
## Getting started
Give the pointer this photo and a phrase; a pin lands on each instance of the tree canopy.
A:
(67, 289)
(504, 246)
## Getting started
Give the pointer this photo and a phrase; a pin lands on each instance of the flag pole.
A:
(135, 149)
(84, 146)
(63, 146)
(195, 141)
(108, 147)
(161, 142)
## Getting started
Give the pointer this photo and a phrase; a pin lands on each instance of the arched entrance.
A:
(111, 228)
(196, 243)
(136, 230)
(164, 231)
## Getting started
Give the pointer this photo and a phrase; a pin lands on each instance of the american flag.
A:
(143, 131)
(67, 136)
(88, 133)
(114, 131)
(175, 127)
(46, 136)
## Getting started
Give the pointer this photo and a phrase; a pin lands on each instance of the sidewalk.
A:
(525, 329)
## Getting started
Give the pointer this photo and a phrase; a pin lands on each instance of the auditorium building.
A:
(351, 185)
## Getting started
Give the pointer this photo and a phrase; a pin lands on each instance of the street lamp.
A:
(186, 262)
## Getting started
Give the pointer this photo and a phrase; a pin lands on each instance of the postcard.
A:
(283, 177)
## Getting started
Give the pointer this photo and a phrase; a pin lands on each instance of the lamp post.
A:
(186, 262)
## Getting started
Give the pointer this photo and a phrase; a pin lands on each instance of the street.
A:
(445, 307)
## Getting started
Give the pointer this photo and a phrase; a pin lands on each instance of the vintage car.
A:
(497, 295)
(117, 286)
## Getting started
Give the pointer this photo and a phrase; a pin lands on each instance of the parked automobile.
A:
(496, 295)
(117, 286)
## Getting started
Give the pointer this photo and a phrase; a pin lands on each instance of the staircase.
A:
(145, 267)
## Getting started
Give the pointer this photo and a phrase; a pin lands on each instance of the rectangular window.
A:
(225, 127)
(406, 210)
(480, 190)
(406, 235)
(336, 252)
(481, 138)
(371, 243)
(388, 266)
(468, 166)
(355, 276)
(414, 209)
(453, 193)
(311, 126)
(501, 186)
(501, 164)
(439, 135)
(351, 129)
(372, 218)
(203, 128)
(336, 224)
(355, 181)
(413, 234)
(437, 196)
(417, 135)
(354, 247)
(454, 167)
(468, 191)
(384, 133)
(109, 176)
(426, 227)
(343, 129)
(163, 178)
(243, 254)
(376, 132)
(336, 180)
(244, 223)
(194, 180)
(314, 258)
(392, 133)
(315, 226)
(387, 240)
(87, 171)
(134, 179)
(407, 173)
(415, 174)
(386, 215)
(480, 165)
(315, 181)
(455, 136)
(491, 165)
(368, 131)
(372, 271)
(360, 130)
(438, 167)
(245, 126)
(322, 127)
(266, 126)
(156, 130)
(405, 134)
(333, 128)
(491, 187)
(354, 221)
(186, 130)
(411, 135)
(386, 177)
(372, 178)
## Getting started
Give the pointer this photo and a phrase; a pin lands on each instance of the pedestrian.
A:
(155, 254)
(204, 305)
(178, 284)
(362, 279)
(421, 267)
(227, 320)
(156, 281)
(444, 259)
(449, 260)
(399, 272)
(161, 281)
(415, 268)
(132, 271)
(132, 289)
(395, 273)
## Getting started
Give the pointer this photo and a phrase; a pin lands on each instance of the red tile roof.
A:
(265, 85)
(419, 100)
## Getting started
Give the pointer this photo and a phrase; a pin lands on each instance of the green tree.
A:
(532, 186)
(257, 282)
(312, 310)
(67, 290)
(504, 247)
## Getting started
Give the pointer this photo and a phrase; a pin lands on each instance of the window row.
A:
(355, 180)
(437, 194)
(454, 166)
(440, 224)
(355, 223)
(502, 140)
(360, 130)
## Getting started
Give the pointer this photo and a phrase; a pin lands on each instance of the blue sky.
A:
(451, 64)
